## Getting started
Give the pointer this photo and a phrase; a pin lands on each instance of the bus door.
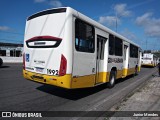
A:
(125, 59)
(101, 41)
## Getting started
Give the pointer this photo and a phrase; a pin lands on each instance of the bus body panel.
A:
(82, 76)
(117, 63)
(133, 62)
(125, 58)
(52, 24)
(43, 61)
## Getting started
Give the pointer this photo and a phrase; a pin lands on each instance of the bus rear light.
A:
(24, 61)
(43, 42)
(63, 66)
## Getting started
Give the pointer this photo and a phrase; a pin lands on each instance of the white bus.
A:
(149, 59)
(65, 48)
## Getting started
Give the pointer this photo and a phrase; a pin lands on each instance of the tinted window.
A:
(60, 10)
(2, 52)
(84, 37)
(111, 44)
(133, 51)
(115, 45)
(118, 46)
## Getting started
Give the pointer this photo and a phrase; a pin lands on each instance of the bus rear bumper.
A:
(151, 65)
(60, 81)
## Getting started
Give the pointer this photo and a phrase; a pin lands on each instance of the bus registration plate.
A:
(39, 69)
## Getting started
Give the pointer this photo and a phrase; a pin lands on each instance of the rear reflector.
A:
(24, 61)
(43, 42)
(63, 66)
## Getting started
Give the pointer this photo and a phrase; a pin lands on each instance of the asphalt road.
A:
(18, 94)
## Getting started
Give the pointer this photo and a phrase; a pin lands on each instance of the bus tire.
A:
(112, 78)
(1, 62)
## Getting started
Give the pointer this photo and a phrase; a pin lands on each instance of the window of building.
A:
(2, 52)
(84, 37)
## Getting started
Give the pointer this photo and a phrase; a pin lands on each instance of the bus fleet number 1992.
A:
(52, 72)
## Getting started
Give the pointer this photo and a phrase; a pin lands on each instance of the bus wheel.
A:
(1, 62)
(112, 79)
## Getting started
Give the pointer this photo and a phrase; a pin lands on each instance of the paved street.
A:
(18, 94)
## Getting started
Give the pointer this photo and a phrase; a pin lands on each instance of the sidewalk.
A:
(146, 98)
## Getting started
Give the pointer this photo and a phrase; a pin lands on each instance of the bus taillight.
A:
(24, 61)
(63, 66)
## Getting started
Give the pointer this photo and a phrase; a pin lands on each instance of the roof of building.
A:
(10, 44)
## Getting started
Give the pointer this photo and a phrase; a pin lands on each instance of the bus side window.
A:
(84, 37)
(133, 51)
(118, 46)
(111, 45)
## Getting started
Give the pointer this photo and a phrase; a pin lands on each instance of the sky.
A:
(138, 20)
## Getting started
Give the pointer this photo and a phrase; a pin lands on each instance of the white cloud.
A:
(144, 19)
(121, 10)
(109, 20)
(53, 3)
(150, 24)
(39, 1)
(128, 34)
(4, 28)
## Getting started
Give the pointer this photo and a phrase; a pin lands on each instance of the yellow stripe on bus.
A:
(61, 81)
(67, 81)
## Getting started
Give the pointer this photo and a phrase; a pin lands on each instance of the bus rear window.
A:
(43, 42)
(60, 10)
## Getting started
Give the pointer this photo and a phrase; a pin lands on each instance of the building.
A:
(11, 49)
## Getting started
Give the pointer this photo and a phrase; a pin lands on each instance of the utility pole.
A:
(116, 21)
(146, 43)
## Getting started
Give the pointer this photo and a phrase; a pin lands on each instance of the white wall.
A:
(12, 59)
